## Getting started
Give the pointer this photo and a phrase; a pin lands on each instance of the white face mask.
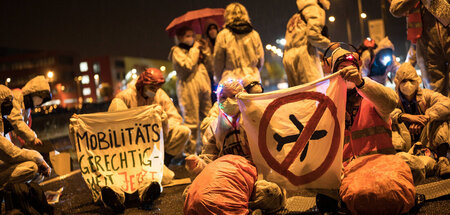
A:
(149, 93)
(189, 41)
(230, 107)
(408, 88)
(37, 101)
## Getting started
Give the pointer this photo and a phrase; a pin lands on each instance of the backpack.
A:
(28, 198)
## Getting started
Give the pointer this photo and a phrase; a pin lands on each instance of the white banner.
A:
(295, 135)
(121, 148)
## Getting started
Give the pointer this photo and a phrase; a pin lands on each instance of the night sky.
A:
(136, 28)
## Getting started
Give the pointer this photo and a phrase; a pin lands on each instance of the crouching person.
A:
(147, 91)
(225, 160)
(17, 165)
(422, 118)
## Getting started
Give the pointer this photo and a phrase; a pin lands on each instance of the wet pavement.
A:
(76, 199)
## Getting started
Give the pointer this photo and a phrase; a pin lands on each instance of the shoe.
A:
(112, 199)
(443, 167)
(152, 192)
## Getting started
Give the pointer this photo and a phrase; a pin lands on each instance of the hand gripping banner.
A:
(295, 135)
(120, 149)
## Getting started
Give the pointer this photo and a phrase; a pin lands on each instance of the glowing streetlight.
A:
(162, 68)
(331, 19)
(8, 80)
(363, 15)
(269, 47)
(50, 74)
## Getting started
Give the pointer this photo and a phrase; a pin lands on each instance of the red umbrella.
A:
(197, 19)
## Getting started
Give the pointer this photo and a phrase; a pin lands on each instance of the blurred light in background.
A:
(363, 15)
(331, 19)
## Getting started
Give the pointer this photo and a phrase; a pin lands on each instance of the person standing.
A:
(433, 42)
(193, 84)
(303, 39)
(238, 51)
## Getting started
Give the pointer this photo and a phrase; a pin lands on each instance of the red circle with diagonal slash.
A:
(282, 168)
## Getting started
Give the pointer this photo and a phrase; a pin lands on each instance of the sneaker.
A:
(443, 167)
(151, 193)
(112, 199)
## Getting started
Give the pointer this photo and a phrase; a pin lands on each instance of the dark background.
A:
(136, 27)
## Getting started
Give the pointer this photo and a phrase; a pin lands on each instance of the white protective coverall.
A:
(433, 47)
(16, 165)
(193, 89)
(238, 51)
(175, 134)
(225, 136)
(367, 60)
(430, 103)
(20, 116)
(303, 37)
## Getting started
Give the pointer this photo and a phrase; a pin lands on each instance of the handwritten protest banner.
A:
(120, 149)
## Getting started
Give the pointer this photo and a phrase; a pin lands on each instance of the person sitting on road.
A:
(225, 136)
(17, 165)
(422, 117)
(147, 91)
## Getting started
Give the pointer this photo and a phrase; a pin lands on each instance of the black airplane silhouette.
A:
(293, 138)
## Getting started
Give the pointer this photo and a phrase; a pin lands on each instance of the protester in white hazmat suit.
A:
(17, 165)
(422, 117)
(380, 63)
(251, 85)
(303, 38)
(238, 51)
(433, 52)
(147, 91)
(33, 94)
(225, 136)
(193, 84)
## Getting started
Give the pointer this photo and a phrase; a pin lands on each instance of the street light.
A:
(331, 19)
(363, 15)
(50, 74)
(162, 68)
(8, 80)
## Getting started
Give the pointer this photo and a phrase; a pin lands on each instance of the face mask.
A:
(37, 101)
(6, 107)
(230, 107)
(408, 88)
(149, 93)
(189, 41)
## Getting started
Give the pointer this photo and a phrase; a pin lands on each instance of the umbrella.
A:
(197, 19)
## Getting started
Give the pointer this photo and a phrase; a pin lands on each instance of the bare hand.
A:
(37, 141)
(416, 119)
(352, 74)
(45, 169)
(197, 44)
(191, 161)
(415, 129)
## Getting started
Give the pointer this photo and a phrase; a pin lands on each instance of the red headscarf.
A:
(151, 76)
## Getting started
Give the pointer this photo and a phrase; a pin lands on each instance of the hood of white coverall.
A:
(236, 11)
(336, 54)
(302, 4)
(406, 71)
(39, 83)
(385, 43)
